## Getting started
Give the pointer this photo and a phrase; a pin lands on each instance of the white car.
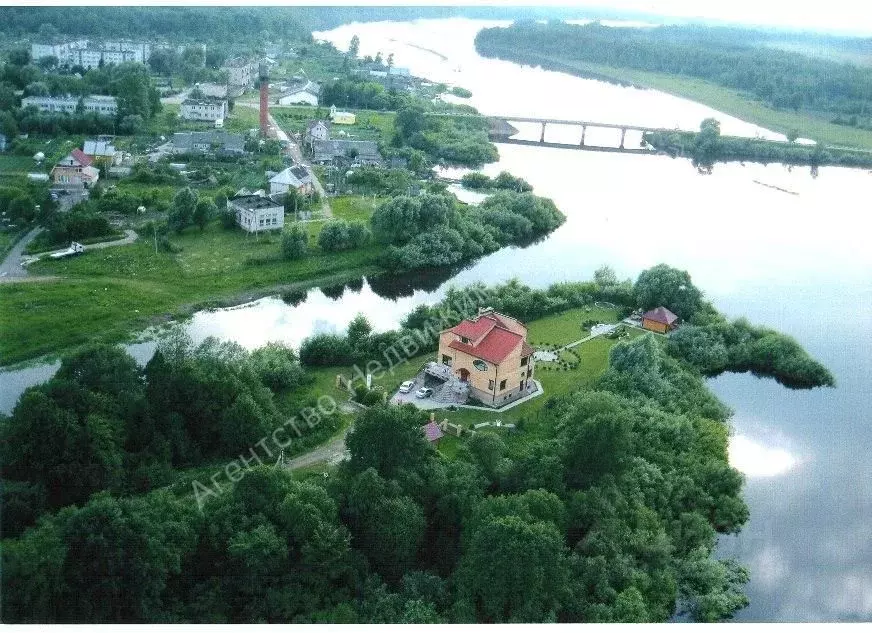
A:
(406, 387)
(424, 392)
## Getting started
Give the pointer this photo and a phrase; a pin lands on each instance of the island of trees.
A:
(608, 509)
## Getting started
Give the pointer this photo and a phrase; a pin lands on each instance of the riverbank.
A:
(111, 294)
(730, 102)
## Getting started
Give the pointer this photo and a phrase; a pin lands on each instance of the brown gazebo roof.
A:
(661, 315)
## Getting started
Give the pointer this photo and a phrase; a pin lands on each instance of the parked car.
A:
(406, 387)
(424, 392)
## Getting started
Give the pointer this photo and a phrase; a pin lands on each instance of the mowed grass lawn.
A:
(735, 103)
(109, 294)
(565, 327)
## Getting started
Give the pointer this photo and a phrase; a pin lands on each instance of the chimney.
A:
(264, 101)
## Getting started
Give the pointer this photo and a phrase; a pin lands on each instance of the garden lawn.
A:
(565, 327)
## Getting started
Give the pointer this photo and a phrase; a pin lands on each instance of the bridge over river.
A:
(502, 131)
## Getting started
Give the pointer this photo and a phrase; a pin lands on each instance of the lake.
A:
(795, 258)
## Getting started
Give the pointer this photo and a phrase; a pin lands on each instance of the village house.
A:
(204, 109)
(342, 118)
(296, 177)
(316, 131)
(660, 320)
(99, 104)
(75, 169)
(491, 355)
(352, 152)
(304, 95)
(212, 141)
(257, 212)
(102, 153)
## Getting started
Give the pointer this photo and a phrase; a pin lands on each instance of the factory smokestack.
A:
(264, 101)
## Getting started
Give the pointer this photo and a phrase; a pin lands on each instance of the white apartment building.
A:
(84, 53)
(101, 104)
(204, 109)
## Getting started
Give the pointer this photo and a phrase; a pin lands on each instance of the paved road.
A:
(297, 155)
(129, 237)
(11, 268)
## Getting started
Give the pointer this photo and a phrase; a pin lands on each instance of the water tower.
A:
(264, 100)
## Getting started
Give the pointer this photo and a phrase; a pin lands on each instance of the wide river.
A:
(796, 258)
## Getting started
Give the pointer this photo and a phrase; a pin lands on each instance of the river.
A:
(794, 258)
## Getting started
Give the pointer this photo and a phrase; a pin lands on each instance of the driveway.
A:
(330, 453)
(11, 268)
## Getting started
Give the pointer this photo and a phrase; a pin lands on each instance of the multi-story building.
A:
(204, 109)
(92, 55)
(255, 213)
(75, 169)
(241, 72)
(491, 355)
(100, 104)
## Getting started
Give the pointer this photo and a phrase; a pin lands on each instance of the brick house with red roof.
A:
(75, 169)
(491, 354)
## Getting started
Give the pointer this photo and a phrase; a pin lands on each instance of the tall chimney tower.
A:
(264, 101)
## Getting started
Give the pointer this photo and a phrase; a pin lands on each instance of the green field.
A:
(733, 103)
(354, 207)
(371, 125)
(111, 293)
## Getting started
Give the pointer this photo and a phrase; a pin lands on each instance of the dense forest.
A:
(781, 79)
(606, 507)
(216, 23)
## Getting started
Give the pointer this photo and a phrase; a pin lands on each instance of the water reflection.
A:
(754, 458)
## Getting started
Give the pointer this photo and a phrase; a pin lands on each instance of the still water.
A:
(795, 258)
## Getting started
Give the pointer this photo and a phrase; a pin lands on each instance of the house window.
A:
(490, 385)
(464, 340)
(502, 385)
(446, 359)
(524, 360)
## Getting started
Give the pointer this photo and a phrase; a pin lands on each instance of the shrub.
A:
(295, 241)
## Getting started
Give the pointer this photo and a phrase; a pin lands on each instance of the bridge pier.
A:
(583, 131)
(542, 135)
(623, 134)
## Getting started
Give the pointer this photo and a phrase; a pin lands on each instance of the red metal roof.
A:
(81, 157)
(432, 431)
(660, 315)
(494, 347)
(474, 330)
